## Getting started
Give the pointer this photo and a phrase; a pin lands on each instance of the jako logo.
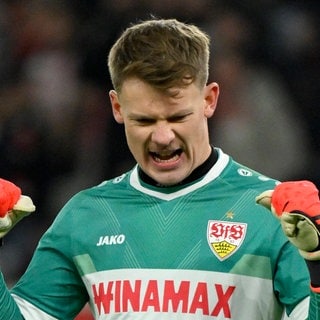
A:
(111, 240)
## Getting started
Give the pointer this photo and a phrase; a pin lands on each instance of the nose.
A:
(162, 134)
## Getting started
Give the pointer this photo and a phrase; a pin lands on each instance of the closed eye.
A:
(179, 118)
(144, 121)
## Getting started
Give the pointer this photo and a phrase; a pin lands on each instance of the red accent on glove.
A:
(296, 196)
(9, 196)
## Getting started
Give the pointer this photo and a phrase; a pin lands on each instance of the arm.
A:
(51, 288)
(8, 307)
(13, 207)
(297, 206)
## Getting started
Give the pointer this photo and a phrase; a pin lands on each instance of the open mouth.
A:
(166, 156)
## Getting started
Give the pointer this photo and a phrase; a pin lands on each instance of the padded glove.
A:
(297, 205)
(13, 206)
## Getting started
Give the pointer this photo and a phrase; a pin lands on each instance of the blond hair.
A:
(164, 53)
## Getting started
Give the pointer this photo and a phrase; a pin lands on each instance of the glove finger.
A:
(21, 209)
(5, 223)
(10, 220)
(264, 199)
(24, 204)
(300, 231)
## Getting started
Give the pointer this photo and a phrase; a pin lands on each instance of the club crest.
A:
(225, 238)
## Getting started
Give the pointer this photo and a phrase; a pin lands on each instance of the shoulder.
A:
(105, 189)
(91, 200)
(239, 176)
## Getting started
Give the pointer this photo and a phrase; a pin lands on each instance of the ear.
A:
(116, 107)
(211, 94)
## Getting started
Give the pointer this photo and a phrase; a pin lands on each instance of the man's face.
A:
(168, 136)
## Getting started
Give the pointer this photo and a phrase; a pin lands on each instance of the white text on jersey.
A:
(111, 240)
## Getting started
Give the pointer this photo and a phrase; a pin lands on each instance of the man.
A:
(180, 236)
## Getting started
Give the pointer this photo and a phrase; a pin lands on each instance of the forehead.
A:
(139, 97)
(136, 89)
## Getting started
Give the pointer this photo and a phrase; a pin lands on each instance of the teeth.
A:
(165, 159)
(166, 156)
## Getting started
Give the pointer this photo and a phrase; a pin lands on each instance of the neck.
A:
(195, 174)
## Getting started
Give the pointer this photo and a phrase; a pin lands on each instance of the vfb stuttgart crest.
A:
(225, 238)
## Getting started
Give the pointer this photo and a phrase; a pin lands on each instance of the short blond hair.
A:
(164, 53)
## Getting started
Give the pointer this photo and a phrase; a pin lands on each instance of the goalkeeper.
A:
(187, 233)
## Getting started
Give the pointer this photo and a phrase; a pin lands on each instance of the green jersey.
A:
(204, 250)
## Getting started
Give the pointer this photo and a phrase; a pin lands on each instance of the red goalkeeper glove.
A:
(297, 205)
(13, 206)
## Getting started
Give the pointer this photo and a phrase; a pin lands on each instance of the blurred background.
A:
(57, 134)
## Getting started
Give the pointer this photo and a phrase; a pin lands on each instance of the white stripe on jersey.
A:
(29, 311)
(170, 294)
(213, 173)
(299, 312)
